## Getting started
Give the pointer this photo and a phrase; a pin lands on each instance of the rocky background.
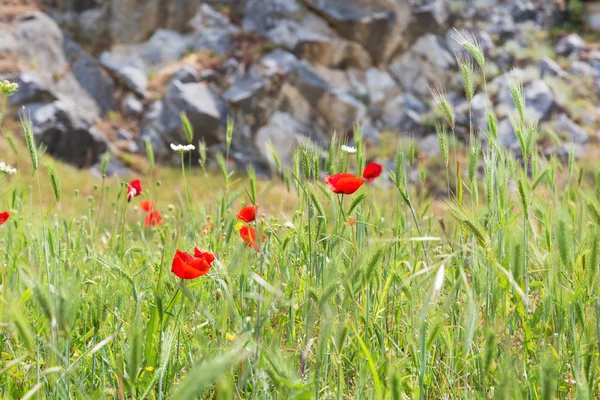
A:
(107, 75)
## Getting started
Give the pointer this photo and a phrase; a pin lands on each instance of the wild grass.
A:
(385, 293)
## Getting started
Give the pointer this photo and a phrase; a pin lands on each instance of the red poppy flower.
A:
(134, 189)
(4, 217)
(186, 266)
(248, 213)
(372, 171)
(153, 218)
(147, 205)
(248, 234)
(343, 183)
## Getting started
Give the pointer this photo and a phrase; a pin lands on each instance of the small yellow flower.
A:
(229, 337)
(239, 226)
(149, 368)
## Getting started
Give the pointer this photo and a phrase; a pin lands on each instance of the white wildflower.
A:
(6, 169)
(182, 148)
(348, 149)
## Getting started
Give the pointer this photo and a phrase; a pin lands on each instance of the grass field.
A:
(382, 293)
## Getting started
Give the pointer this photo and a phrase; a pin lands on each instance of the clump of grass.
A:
(379, 293)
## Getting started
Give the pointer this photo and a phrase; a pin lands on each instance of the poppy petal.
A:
(343, 183)
(4, 217)
(147, 205)
(372, 171)
(134, 189)
(186, 266)
(247, 214)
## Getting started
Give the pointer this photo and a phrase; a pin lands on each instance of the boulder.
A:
(132, 77)
(551, 68)
(299, 74)
(65, 136)
(282, 134)
(572, 43)
(31, 90)
(204, 109)
(134, 20)
(114, 168)
(380, 86)
(340, 111)
(186, 74)
(213, 30)
(317, 43)
(63, 90)
(161, 122)
(568, 129)
(373, 23)
(90, 75)
(428, 63)
(131, 106)
(539, 101)
(290, 25)
(404, 113)
(162, 48)
(430, 17)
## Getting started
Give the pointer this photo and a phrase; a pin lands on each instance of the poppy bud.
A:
(218, 293)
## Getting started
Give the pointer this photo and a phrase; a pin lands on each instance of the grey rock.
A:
(340, 111)
(523, 10)
(506, 135)
(261, 16)
(132, 106)
(134, 20)
(31, 90)
(430, 145)
(114, 168)
(66, 136)
(209, 75)
(583, 69)
(92, 23)
(539, 100)
(162, 48)
(569, 44)
(311, 39)
(306, 34)
(371, 135)
(124, 134)
(132, 77)
(37, 41)
(207, 17)
(291, 100)
(380, 85)
(244, 91)
(431, 17)
(283, 133)
(570, 130)
(204, 109)
(404, 113)
(428, 63)
(478, 112)
(213, 30)
(433, 49)
(90, 75)
(186, 74)
(503, 26)
(369, 23)
(550, 67)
